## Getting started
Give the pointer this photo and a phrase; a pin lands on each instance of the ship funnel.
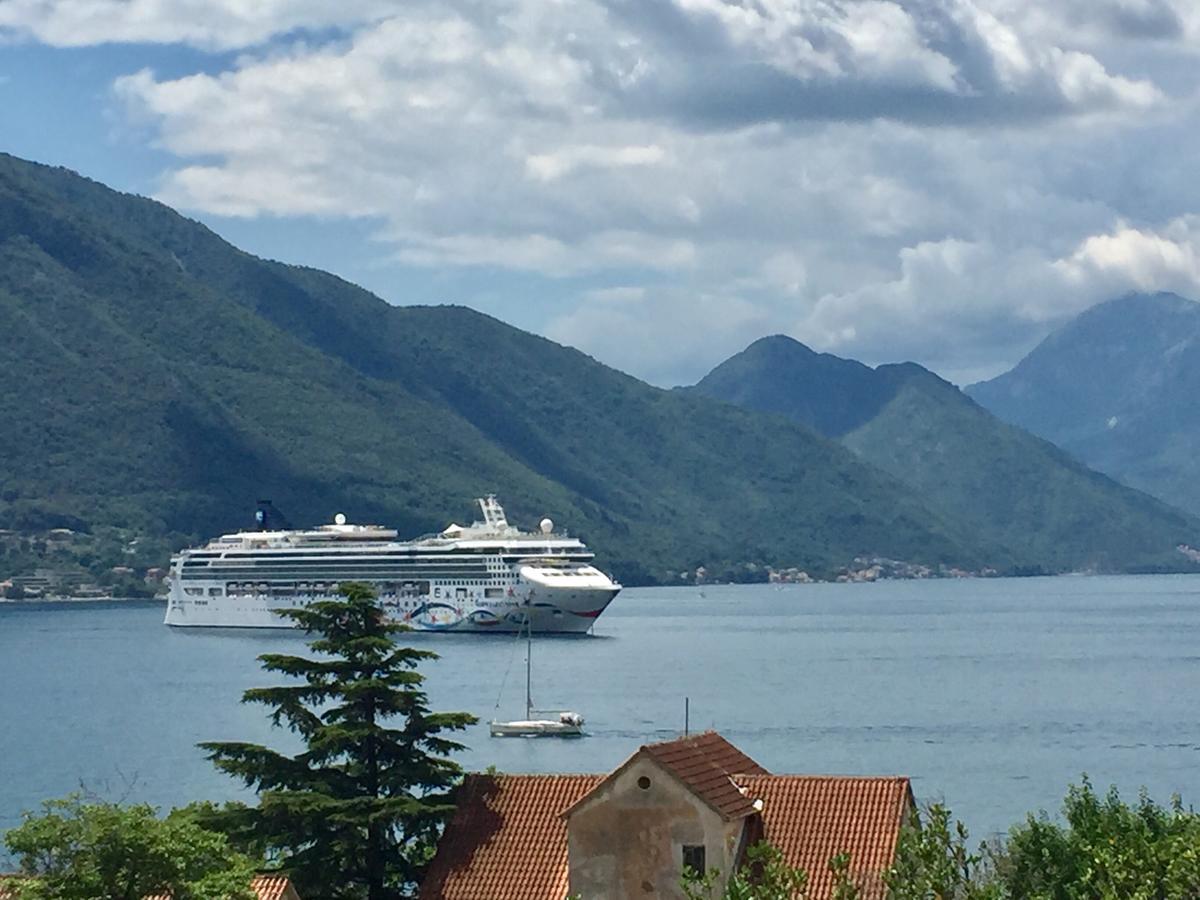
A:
(268, 518)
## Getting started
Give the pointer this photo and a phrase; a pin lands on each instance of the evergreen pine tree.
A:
(357, 813)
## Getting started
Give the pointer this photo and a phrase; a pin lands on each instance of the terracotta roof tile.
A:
(706, 763)
(273, 887)
(507, 840)
(812, 819)
(508, 837)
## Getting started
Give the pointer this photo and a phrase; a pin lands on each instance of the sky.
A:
(656, 182)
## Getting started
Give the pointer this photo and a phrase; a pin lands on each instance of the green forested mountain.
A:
(159, 380)
(1044, 510)
(1118, 387)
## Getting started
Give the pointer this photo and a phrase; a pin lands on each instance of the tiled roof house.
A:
(697, 800)
(266, 887)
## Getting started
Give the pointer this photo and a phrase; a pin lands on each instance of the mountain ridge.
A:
(163, 380)
(1116, 387)
(1015, 490)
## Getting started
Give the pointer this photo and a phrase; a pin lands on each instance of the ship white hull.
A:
(552, 610)
(486, 577)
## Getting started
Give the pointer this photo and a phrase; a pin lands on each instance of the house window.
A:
(693, 857)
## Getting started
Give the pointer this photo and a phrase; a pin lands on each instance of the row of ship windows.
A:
(388, 573)
(419, 589)
(429, 551)
(336, 563)
(317, 557)
(368, 560)
(384, 586)
(292, 575)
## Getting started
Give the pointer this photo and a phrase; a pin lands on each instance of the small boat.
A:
(568, 724)
(564, 723)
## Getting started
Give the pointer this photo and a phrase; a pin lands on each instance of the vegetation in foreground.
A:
(1102, 848)
(356, 814)
(76, 850)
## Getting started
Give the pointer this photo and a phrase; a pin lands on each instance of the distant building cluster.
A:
(863, 568)
(61, 563)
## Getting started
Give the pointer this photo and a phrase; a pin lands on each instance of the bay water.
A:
(992, 695)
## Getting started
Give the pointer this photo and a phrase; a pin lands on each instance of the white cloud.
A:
(548, 255)
(940, 181)
(1129, 258)
(652, 331)
(215, 24)
(1085, 83)
(1095, 22)
(871, 39)
(554, 165)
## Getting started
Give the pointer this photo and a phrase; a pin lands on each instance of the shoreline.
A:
(30, 600)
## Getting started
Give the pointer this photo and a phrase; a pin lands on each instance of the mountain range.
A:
(1014, 491)
(1119, 388)
(159, 380)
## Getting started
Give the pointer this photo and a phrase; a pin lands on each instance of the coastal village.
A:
(64, 563)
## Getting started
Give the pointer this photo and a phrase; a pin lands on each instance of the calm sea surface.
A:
(992, 695)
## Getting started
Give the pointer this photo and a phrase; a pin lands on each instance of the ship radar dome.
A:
(547, 526)
(339, 519)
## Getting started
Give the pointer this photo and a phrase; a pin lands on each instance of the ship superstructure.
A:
(486, 577)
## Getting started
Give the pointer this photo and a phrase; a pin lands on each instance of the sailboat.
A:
(566, 724)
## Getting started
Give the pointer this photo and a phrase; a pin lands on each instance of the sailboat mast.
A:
(528, 662)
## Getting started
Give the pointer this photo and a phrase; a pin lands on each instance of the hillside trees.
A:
(1101, 849)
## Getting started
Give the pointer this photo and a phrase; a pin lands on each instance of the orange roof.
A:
(508, 837)
(706, 763)
(813, 818)
(273, 887)
(267, 887)
(507, 840)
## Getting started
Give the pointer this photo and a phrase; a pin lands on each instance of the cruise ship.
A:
(486, 577)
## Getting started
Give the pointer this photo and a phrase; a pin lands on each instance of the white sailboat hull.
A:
(536, 728)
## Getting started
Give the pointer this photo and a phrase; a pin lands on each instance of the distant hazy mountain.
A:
(159, 380)
(1118, 387)
(992, 480)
